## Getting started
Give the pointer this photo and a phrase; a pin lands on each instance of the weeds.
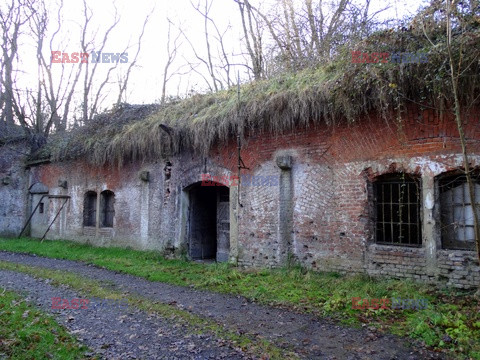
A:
(27, 333)
(450, 322)
(194, 323)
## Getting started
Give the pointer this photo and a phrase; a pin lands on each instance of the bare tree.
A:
(12, 19)
(455, 72)
(47, 106)
(60, 94)
(172, 49)
(123, 83)
(90, 109)
(215, 83)
(214, 60)
(302, 33)
(252, 37)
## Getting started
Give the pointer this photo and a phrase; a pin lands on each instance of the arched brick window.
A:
(107, 210)
(456, 212)
(397, 210)
(90, 208)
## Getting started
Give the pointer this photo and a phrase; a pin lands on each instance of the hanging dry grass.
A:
(338, 91)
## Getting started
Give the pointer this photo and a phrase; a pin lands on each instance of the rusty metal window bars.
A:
(397, 210)
(456, 212)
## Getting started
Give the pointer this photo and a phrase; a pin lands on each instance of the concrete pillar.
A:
(428, 224)
(285, 213)
(144, 211)
(181, 242)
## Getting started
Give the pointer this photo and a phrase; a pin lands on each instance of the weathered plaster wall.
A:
(148, 200)
(129, 189)
(13, 200)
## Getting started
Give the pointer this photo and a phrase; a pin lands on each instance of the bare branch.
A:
(123, 85)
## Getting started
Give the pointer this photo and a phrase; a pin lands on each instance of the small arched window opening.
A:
(456, 211)
(107, 210)
(397, 210)
(90, 209)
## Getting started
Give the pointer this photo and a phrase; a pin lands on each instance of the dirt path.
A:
(311, 338)
(114, 333)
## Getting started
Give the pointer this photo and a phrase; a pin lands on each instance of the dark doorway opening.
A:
(209, 223)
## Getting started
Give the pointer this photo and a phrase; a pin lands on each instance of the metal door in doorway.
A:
(223, 225)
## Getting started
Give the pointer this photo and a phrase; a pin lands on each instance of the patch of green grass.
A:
(28, 333)
(449, 323)
(87, 287)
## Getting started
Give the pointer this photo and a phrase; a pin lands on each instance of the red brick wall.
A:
(332, 169)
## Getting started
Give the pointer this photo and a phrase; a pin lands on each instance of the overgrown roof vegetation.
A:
(98, 133)
(333, 92)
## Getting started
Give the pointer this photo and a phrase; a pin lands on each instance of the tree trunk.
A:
(458, 119)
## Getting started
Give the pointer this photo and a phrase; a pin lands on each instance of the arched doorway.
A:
(209, 222)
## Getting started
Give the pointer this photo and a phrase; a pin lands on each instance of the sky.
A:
(146, 77)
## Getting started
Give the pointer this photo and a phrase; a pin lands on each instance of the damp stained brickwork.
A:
(319, 213)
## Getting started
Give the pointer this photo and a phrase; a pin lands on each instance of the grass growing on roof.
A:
(451, 321)
(325, 93)
(27, 333)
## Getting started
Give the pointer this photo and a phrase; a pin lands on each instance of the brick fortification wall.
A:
(318, 211)
(332, 172)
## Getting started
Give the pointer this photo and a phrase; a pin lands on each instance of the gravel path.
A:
(114, 333)
(310, 337)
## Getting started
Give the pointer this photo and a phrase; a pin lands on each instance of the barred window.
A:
(456, 212)
(107, 213)
(90, 209)
(397, 210)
